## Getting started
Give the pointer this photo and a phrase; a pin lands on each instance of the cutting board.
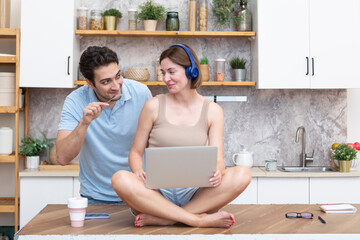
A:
(44, 166)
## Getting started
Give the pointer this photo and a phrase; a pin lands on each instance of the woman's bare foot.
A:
(143, 219)
(220, 219)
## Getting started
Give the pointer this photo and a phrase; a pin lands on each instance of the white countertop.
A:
(256, 172)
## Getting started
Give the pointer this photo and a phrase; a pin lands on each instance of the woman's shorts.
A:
(178, 196)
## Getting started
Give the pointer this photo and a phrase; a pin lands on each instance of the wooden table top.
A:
(250, 219)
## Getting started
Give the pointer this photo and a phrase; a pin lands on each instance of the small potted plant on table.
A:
(111, 16)
(32, 148)
(150, 14)
(239, 68)
(204, 69)
(344, 154)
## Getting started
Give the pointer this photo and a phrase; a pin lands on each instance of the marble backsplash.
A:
(266, 124)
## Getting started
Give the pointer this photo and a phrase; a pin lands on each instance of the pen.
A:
(322, 220)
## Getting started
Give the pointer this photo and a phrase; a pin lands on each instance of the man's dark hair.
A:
(94, 57)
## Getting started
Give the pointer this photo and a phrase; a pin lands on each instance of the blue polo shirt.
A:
(108, 138)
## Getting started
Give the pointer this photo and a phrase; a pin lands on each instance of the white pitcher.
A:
(243, 158)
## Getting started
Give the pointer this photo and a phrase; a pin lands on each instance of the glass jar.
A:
(243, 18)
(96, 20)
(132, 19)
(192, 15)
(220, 70)
(82, 18)
(203, 15)
(172, 21)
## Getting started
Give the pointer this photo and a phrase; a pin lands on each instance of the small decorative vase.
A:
(32, 162)
(204, 71)
(244, 18)
(240, 75)
(344, 165)
(150, 25)
(110, 23)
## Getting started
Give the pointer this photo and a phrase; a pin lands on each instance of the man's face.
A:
(108, 82)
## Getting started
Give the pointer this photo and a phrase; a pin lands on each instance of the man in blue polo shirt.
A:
(99, 121)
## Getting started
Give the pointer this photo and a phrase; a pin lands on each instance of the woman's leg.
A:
(134, 193)
(209, 200)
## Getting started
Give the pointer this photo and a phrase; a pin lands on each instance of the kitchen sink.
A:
(307, 169)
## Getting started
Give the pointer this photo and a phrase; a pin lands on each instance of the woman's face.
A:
(174, 76)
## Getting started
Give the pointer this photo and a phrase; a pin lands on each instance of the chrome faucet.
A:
(303, 156)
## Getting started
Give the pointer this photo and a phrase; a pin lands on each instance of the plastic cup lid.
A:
(77, 202)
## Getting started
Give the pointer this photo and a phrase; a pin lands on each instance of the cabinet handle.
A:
(68, 66)
(313, 68)
(307, 66)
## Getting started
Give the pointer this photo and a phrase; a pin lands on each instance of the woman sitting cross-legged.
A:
(182, 117)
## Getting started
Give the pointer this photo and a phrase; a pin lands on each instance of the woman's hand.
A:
(215, 180)
(141, 174)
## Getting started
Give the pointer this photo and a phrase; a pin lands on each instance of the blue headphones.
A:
(192, 71)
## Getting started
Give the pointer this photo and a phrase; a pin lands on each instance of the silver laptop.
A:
(180, 167)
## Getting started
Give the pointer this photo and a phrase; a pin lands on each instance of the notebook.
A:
(338, 208)
(180, 167)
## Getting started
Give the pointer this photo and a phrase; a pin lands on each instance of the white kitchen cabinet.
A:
(334, 190)
(283, 190)
(306, 44)
(49, 48)
(249, 196)
(37, 192)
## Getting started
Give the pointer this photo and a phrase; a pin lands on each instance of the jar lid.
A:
(5, 129)
(220, 60)
(132, 10)
(83, 8)
(7, 74)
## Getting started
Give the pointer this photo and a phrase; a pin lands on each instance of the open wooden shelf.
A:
(7, 59)
(8, 159)
(188, 34)
(10, 109)
(11, 205)
(7, 33)
(7, 204)
(159, 83)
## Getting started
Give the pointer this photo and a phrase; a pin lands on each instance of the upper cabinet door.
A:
(281, 46)
(48, 44)
(306, 44)
(335, 43)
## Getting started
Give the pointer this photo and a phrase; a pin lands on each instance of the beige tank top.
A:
(165, 134)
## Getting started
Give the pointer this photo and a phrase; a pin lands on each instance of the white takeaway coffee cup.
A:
(77, 209)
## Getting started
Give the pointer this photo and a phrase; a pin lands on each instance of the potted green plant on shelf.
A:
(239, 68)
(223, 11)
(111, 16)
(32, 148)
(150, 14)
(344, 154)
(204, 69)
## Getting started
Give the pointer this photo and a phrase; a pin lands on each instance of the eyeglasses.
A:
(307, 215)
